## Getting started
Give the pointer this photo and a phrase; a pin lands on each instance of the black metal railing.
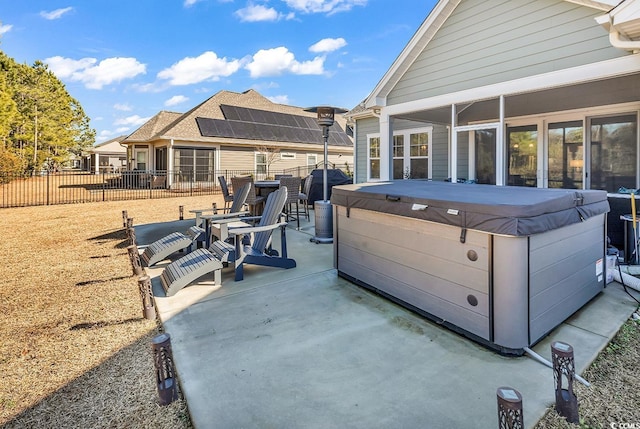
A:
(68, 187)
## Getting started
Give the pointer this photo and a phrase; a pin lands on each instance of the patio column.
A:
(170, 177)
(454, 144)
(500, 148)
(386, 142)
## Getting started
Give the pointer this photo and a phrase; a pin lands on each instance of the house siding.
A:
(364, 127)
(243, 159)
(491, 41)
(440, 153)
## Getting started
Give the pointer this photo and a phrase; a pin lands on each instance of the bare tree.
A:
(271, 155)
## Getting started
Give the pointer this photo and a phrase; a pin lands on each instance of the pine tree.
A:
(46, 125)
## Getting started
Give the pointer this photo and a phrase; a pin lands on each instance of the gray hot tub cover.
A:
(505, 210)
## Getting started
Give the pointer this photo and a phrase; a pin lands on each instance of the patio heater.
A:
(323, 213)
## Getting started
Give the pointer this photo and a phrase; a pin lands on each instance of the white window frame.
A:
(406, 133)
(314, 156)
(369, 138)
(255, 164)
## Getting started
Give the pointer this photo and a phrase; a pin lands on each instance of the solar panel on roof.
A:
(229, 112)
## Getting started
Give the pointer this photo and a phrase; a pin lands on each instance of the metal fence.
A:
(70, 187)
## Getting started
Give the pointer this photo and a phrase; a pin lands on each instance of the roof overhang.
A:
(623, 68)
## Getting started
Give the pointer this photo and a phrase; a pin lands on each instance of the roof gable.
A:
(425, 34)
(188, 126)
(154, 125)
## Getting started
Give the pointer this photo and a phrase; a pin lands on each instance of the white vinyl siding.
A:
(490, 41)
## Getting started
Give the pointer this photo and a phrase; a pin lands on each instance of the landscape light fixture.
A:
(322, 209)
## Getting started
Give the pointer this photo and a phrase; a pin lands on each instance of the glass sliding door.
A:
(566, 155)
(419, 153)
(613, 152)
(522, 156)
(485, 156)
(161, 159)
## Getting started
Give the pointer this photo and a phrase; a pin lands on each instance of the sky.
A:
(127, 60)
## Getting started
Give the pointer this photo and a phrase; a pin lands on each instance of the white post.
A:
(500, 148)
(386, 142)
(454, 145)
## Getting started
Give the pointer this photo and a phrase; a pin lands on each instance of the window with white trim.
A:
(373, 157)
(261, 164)
(312, 159)
(410, 153)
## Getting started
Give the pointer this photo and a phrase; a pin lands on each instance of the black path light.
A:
(322, 209)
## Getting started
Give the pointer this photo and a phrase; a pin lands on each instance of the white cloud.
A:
(55, 14)
(176, 99)
(255, 13)
(5, 28)
(65, 67)
(206, 67)
(123, 107)
(95, 75)
(324, 6)
(276, 61)
(280, 99)
(133, 120)
(189, 3)
(104, 135)
(328, 45)
(122, 129)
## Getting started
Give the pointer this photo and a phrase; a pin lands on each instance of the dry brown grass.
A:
(614, 394)
(75, 349)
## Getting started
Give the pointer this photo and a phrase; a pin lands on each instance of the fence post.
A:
(165, 372)
(564, 368)
(146, 294)
(48, 188)
(125, 216)
(181, 212)
(510, 414)
(134, 257)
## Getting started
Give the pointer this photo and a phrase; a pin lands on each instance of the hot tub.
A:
(501, 265)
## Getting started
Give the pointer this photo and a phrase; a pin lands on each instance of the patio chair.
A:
(228, 197)
(293, 197)
(234, 211)
(253, 200)
(304, 195)
(172, 243)
(257, 251)
(218, 223)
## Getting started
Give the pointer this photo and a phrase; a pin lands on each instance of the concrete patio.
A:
(304, 348)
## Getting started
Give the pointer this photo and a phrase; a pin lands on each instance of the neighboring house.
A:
(539, 93)
(105, 157)
(233, 133)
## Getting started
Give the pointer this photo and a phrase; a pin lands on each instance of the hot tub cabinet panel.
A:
(505, 291)
(420, 263)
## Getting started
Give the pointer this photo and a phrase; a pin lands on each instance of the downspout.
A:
(617, 42)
